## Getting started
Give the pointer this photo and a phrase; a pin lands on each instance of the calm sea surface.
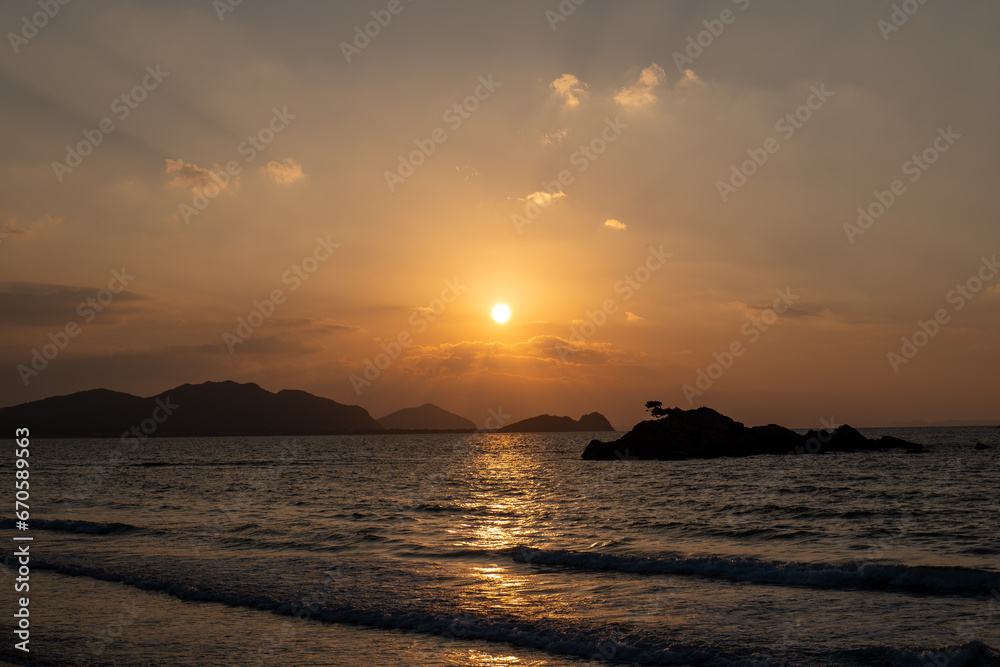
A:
(487, 549)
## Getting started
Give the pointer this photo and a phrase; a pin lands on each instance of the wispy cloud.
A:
(313, 325)
(45, 304)
(542, 198)
(189, 175)
(14, 228)
(531, 356)
(553, 138)
(285, 172)
(612, 223)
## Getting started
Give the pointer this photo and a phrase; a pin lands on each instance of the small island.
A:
(676, 434)
(593, 421)
(428, 418)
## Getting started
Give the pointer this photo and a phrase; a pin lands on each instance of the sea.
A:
(505, 550)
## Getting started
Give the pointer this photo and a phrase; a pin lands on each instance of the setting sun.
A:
(501, 313)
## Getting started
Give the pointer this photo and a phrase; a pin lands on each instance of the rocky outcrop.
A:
(704, 433)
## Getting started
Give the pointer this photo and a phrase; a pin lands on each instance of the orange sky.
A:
(643, 206)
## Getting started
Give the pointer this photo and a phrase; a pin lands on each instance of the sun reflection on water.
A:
(502, 510)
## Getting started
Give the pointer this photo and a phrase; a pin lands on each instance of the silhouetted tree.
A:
(655, 408)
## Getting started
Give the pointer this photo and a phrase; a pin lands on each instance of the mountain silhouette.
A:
(427, 417)
(210, 409)
(593, 421)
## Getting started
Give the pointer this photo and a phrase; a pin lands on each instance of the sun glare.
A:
(501, 313)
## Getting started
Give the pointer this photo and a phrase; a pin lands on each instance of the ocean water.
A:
(489, 549)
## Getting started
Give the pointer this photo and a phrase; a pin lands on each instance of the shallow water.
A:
(508, 549)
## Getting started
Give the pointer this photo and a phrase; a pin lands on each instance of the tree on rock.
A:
(655, 408)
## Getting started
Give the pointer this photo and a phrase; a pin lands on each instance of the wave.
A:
(601, 642)
(918, 579)
(971, 654)
(449, 508)
(69, 526)
(605, 643)
(262, 463)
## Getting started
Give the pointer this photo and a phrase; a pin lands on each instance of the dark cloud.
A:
(316, 325)
(44, 304)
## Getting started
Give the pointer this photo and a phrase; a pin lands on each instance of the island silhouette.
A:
(427, 417)
(231, 408)
(593, 421)
(702, 433)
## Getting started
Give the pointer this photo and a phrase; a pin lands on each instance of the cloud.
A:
(790, 311)
(13, 228)
(537, 355)
(316, 325)
(641, 92)
(265, 344)
(611, 223)
(45, 304)
(285, 172)
(553, 138)
(190, 175)
(632, 317)
(542, 198)
(570, 89)
(690, 79)
(468, 171)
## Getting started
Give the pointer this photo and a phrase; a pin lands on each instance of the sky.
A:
(783, 211)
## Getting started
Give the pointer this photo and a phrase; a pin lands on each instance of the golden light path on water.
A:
(503, 509)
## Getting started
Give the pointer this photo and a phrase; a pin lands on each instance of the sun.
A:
(501, 313)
